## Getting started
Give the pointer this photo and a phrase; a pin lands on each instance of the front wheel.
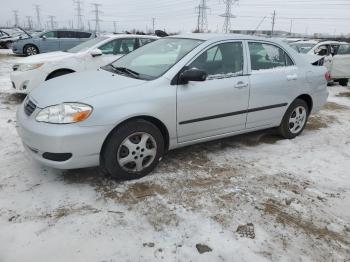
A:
(30, 50)
(133, 150)
(294, 120)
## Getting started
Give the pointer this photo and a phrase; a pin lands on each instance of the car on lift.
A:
(31, 71)
(49, 41)
(173, 92)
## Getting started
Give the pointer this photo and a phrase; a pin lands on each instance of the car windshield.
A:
(86, 45)
(302, 47)
(154, 59)
(344, 50)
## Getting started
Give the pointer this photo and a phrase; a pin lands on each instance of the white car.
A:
(31, 71)
(339, 68)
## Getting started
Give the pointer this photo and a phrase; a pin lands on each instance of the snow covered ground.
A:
(254, 197)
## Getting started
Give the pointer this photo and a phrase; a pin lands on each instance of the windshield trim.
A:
(166, 71)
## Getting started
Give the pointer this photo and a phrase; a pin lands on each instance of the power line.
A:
(228, 15)
(202, 20)
(97, 19)
(79, 14)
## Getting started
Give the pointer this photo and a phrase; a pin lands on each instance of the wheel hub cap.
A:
(297, 119)
(137, 152)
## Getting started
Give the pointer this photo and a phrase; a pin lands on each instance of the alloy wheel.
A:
(297, 119)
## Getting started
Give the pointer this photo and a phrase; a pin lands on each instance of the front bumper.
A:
(83, 143)
(26, 81)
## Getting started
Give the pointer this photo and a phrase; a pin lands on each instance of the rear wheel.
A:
(31, 50)
(133, 150)
(294, 120)
(343, 82)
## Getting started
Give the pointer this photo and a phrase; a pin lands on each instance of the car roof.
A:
(128, 36)
(68, 30)
(220, 37)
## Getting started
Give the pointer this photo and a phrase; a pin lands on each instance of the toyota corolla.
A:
(174, 92)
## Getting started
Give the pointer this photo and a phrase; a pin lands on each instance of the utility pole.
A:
(79, 14)
(38, 19)
(89, 26)
(291, 26)
(97, 19)
(153, 23)
(273, 22)
(202, 20)
(115, 26)
(29, 22)
(15, 14)
(228, 15)
(52, 21)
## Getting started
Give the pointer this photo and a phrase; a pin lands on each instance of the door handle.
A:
(241, 85)
(292, 77)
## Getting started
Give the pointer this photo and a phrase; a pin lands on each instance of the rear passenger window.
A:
(66, 34)
(145, 41)
(267, 56)
(83, 35)
(119, 46)
(51, 34)
(221, 61)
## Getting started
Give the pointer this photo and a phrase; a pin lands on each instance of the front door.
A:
(218, 105)
(49, 42)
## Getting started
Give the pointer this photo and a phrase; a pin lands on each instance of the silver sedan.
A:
(174, 92)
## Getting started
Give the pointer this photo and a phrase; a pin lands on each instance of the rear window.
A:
(267, 56)
(83, 35)
(66, 34)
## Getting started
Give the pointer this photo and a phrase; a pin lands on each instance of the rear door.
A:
(218, 105)
(68, 39)
(273, 81)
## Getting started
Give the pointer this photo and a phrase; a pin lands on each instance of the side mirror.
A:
(96, 52)
(193, 74)
(43, 37)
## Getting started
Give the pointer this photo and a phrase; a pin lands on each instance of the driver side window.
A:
(221, 61)
(51, 34)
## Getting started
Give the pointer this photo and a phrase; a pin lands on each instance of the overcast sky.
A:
(325, 16)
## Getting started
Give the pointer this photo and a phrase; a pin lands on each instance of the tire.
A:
(294, 120)
(343, 82)
(133, 150)
(8, 45)
(30, 50)
(58, 73)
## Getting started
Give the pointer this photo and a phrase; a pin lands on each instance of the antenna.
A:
(202, 21)
(228, 15)
(79, 15)
(97, 19)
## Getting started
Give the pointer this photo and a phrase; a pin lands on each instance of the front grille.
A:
(29, 108)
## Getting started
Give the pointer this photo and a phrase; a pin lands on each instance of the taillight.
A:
(327, 75)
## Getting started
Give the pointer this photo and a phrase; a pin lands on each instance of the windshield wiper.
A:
(127, 71)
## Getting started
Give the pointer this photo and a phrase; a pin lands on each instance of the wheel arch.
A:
(49, 76)
(158, 123)
(308, 99)
(30, 44)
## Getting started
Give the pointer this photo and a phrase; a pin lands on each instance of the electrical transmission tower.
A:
(202, 21)
(52, 21)
(79, 15)
(29, 22)
(38, 18)
(228, 15)
(15, 15)
(97, 19)
(115, 26)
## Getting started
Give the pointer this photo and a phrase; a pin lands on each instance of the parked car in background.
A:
(31, 71)
(10, 35)
(339, 68)
(50, 41)
(174, 92)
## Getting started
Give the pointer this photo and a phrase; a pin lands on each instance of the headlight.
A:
(64, 113)
(27, 67)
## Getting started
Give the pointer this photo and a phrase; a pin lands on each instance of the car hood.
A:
(46, 57)
(78, 86)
